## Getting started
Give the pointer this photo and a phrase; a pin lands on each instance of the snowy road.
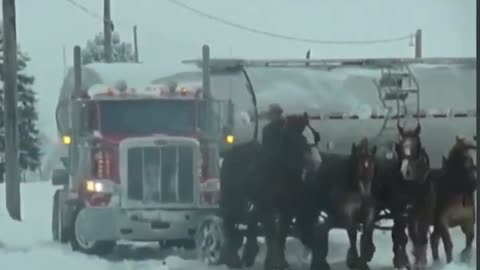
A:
(28, 246)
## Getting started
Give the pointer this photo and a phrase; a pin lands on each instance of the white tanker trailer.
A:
(349, 98)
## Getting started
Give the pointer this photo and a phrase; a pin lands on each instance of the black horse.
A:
(406, 191)
(252, 192)
(343, 187)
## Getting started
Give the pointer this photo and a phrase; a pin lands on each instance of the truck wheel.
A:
(100, 248)
(59, 234)
(210, 240)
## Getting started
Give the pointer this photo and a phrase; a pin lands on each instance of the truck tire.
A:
(59, 234)
(210, 240)
(100, 248)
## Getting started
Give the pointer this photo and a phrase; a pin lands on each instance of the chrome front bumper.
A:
(98, 223)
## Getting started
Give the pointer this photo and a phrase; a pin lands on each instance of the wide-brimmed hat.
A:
(275, 109)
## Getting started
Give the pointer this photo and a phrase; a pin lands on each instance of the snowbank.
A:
(27, 245)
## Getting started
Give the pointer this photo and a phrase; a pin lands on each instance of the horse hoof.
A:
(249, 255)
(352, 258)
(436, 262)
(420, 267)
(403, 267)
(352, 263)
(320, 266)
(277, 266)
(362, 266)
(233, 262)
(402, 262)
(369, 254)
(466, 256)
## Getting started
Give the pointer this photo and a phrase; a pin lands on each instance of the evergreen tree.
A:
(94, 50)
(29, 145)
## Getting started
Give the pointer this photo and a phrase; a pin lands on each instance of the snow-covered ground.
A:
(28, 245)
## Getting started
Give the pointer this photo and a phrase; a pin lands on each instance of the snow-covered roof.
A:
(133, 73)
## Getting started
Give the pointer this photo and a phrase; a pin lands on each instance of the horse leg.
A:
(419, 231)
(285, 221)
(269, 238)
(320, 246)
(400, 240)
(233, 243)
(352, 254)
(275, 233)
(367, 248)
(469, 231)
(305, 221)
(434, 242)
(251, 248)
(447, 240)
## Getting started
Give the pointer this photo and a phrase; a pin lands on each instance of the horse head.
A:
(462, 160)
(414, 161)
(306, 139)
(364, 166)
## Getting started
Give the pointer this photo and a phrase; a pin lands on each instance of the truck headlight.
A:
(93, 186)
(66, 140)
(100, 186)
(229, 139)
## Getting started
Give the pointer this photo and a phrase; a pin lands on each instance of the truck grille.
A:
(160, 174)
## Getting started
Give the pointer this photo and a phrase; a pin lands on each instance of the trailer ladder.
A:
(395, 86)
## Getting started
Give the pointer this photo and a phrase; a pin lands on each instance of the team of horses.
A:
(309, 192)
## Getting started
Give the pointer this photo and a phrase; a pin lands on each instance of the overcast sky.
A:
(167, 33)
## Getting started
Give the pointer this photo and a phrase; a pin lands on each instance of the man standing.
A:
(271, 133)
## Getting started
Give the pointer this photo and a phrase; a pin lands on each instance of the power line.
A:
(286, 37)
(121, 24)
(86, 10)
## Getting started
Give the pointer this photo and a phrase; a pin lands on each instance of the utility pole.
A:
(135, 43)
(12, 174)
(418, 43)
(307, 56)
(107, 31)
(206, 71)
(77, 70)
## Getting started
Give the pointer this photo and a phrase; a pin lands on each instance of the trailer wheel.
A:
(210, 240)
(100, 248)
(58, 232)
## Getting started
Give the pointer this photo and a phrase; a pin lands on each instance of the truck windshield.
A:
(147, 116)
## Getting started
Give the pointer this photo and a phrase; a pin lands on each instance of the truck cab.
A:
(142, 161)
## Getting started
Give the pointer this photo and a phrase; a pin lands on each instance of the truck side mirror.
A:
(59, 177)
(84, 117)
(64, 161)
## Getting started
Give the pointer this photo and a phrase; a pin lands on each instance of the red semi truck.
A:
(141, 164)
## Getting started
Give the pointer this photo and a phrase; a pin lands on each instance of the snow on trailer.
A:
(338, 92)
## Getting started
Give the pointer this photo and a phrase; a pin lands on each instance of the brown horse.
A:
(455, 186)
(406, 193)
(342, 187)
